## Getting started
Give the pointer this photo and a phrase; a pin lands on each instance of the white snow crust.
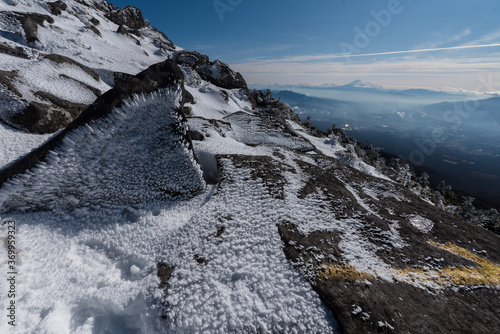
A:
(33, 75)
(16, 143)
(69, 36)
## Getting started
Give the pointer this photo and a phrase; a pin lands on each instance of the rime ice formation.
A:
(124, 149)
(138, 153)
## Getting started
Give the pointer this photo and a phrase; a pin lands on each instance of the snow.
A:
(247, 284)
(15, 143)
(85, 270)
(209, 101)
(422, 224)
(330, 147)
(69, 36)
(44, 75)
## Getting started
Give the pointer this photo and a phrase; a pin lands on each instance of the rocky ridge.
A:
(287, 230)
(58, 57)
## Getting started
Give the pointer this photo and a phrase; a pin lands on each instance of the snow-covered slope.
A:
(57, 57)
(181, 202)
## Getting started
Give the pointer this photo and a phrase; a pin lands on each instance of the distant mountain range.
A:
(360, 91)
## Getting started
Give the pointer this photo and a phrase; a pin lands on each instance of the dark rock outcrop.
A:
(220, 74)
(29, 23)
(216, 72)
(7, 80)
(14, 50)
(120, 77)
(44, 118)
(267, 103)
(122, 30)
(129, 16)
(57, 7)
(190, 58)
(94, 30)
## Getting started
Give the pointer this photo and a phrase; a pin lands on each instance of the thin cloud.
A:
(348, 55)
(433, 72)
(393, 65)
(493, 37)
(461, 47)
(443, 40)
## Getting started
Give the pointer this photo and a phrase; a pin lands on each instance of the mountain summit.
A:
(362, 84)
(170, 198)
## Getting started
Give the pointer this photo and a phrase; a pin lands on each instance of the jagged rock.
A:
(138, 127)
(264, 101)
(188, 97)
(46, 118)
(164, 38)
(190, 58)
(121, 30)
(120, 77)
(102, 6)
(30, 23)
(129, 16)
(7, 79)
(14, 50)
(220, 74)
(57, 7)
(94, 30)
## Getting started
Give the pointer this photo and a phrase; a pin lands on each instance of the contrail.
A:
(414, 51)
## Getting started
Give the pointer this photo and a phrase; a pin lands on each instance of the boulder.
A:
(129, 16)
(28, 22)
(120, 77)
(57, 7)
(220, 74)
(122, 30)
(190, 58)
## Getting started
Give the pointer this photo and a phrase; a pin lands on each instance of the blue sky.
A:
(297, 42)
